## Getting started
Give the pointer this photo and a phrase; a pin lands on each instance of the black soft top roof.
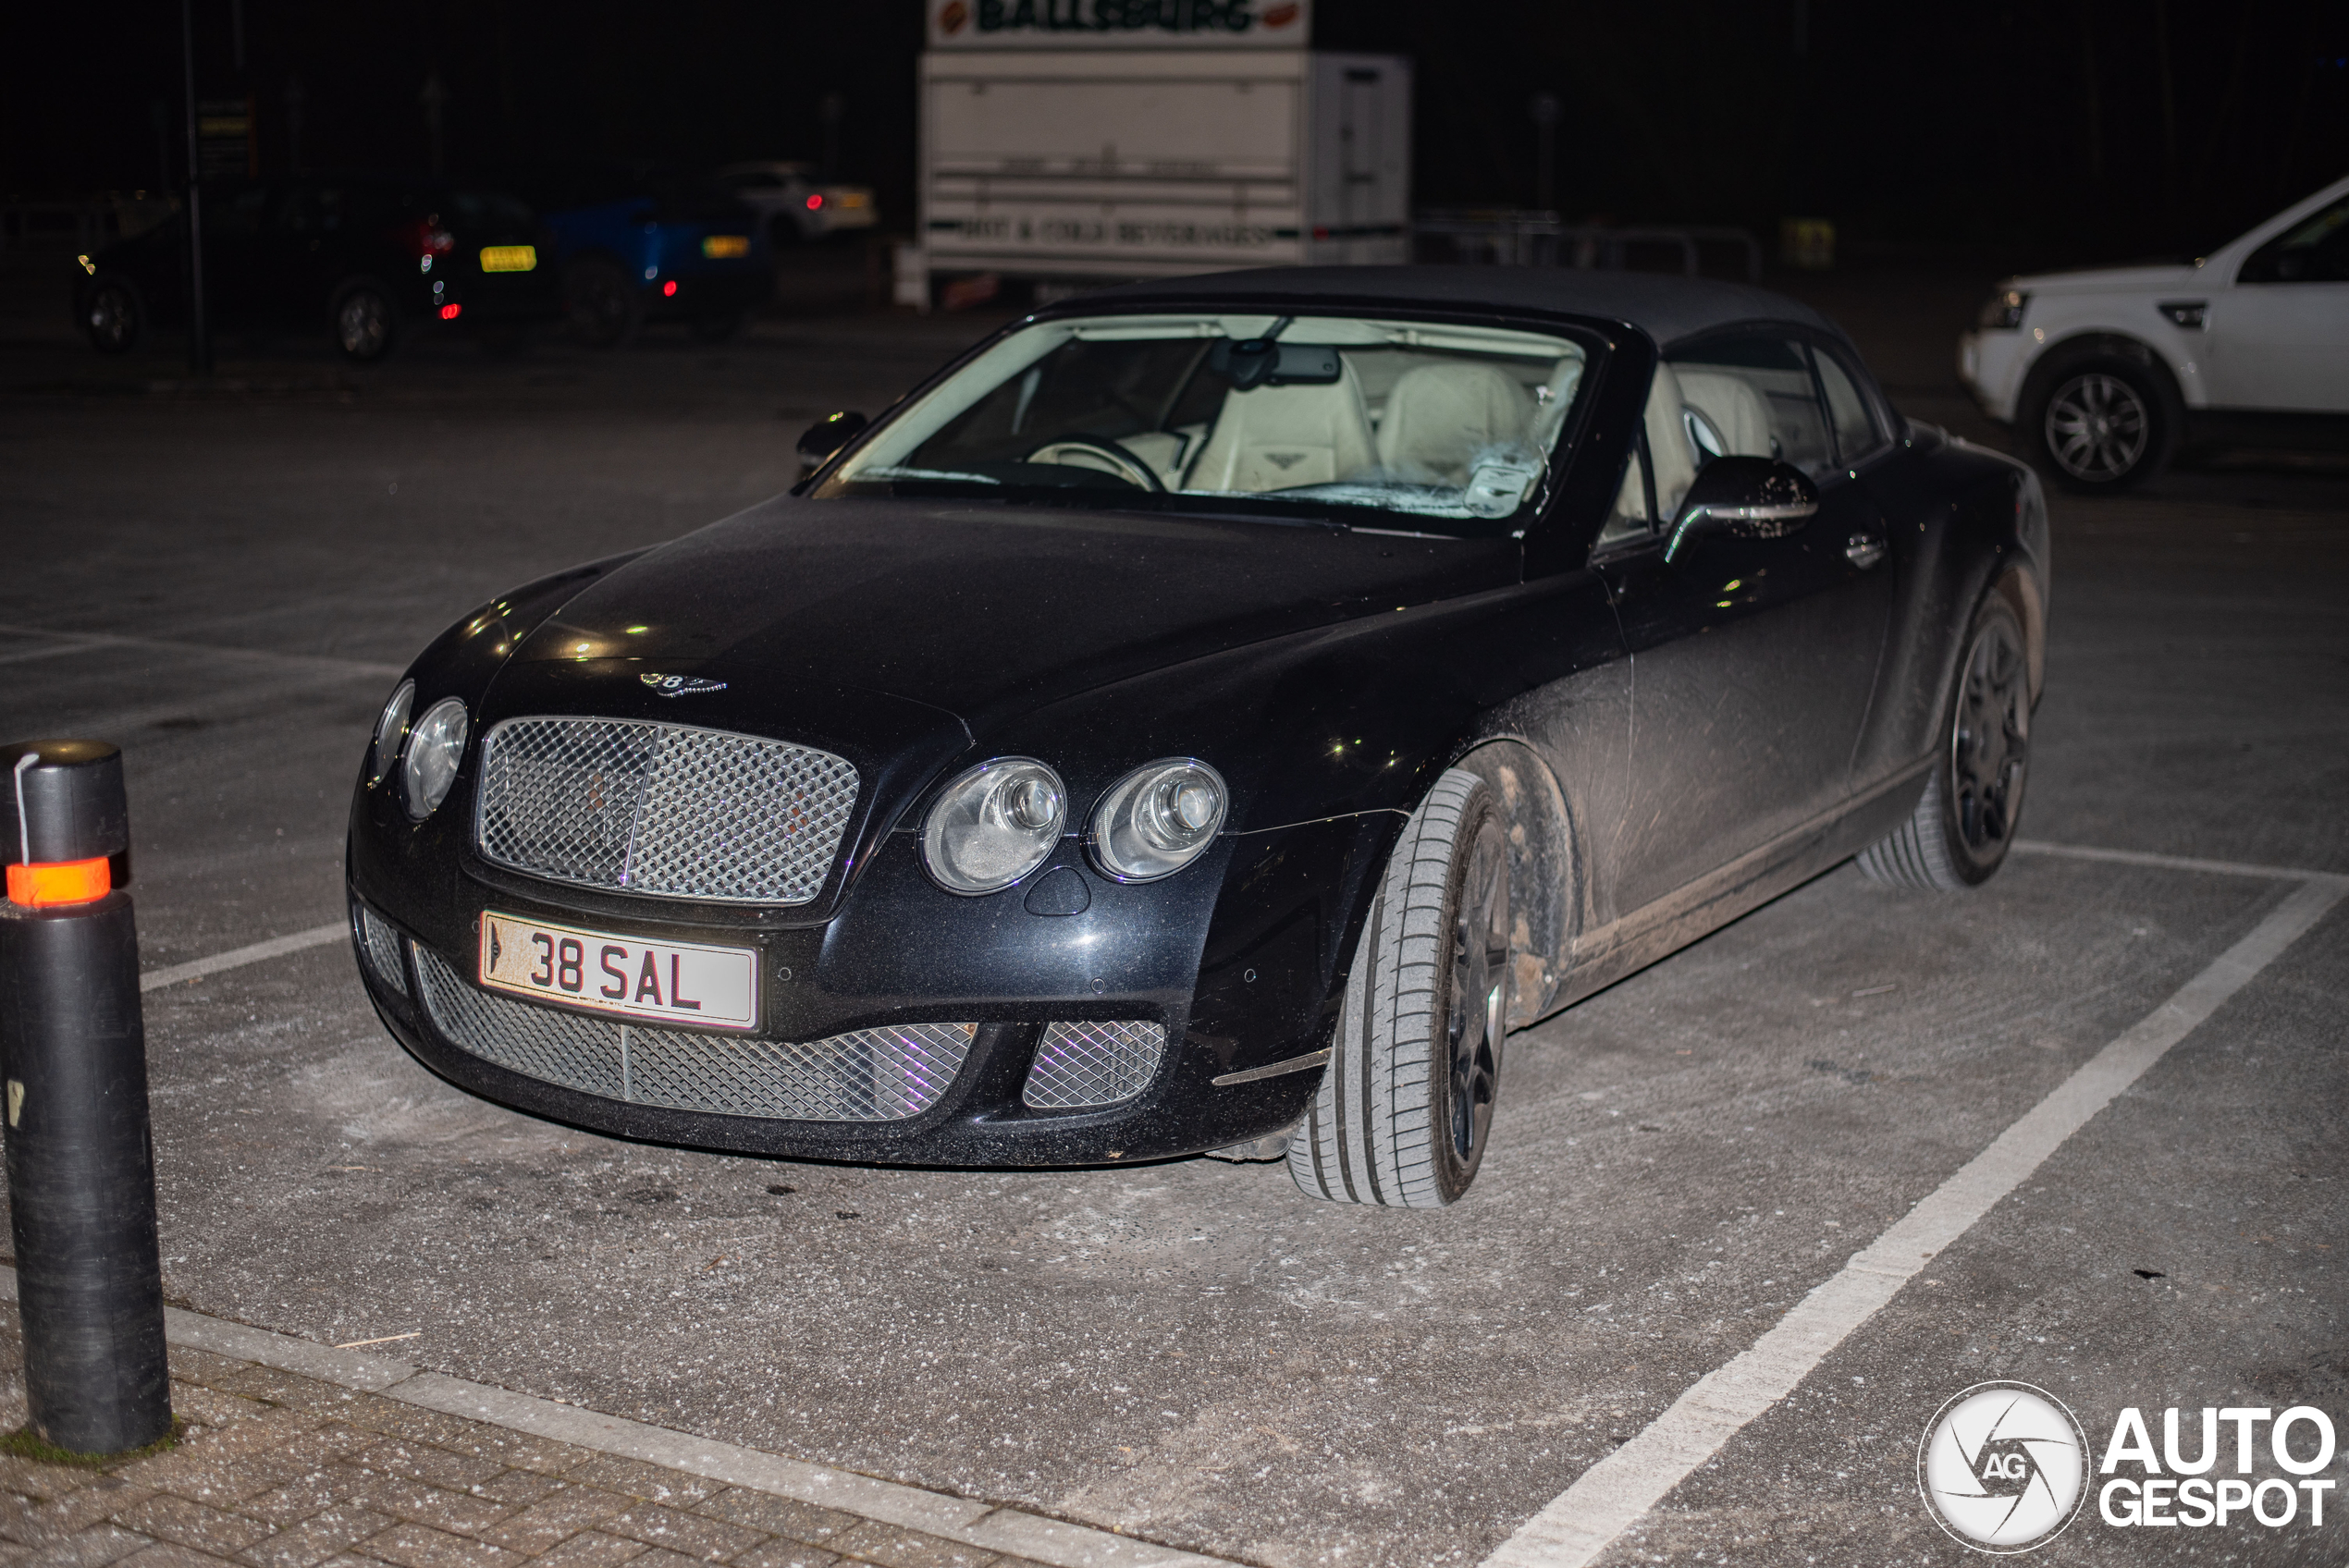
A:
(1667, 309)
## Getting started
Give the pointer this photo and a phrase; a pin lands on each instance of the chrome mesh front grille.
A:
(1087, 1063)
(869, 1075)
(662, 808)
(379, 946)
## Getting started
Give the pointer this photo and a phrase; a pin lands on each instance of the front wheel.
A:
(114, 319)
(2099, 425)
(366, 324)
(1962, 828)
(1406, 1104)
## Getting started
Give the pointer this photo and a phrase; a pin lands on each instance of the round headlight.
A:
(1156, 819)
(390, 729)
(994, 825)
(434, 748)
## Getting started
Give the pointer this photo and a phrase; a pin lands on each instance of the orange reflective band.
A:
(59, 882)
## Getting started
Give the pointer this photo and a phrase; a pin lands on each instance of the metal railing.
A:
(1521, 239)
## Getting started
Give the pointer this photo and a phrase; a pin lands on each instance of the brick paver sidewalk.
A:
(281, 1471)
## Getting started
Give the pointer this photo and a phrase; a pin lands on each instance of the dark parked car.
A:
(639, 243)
(1207, 709)
(368, 259)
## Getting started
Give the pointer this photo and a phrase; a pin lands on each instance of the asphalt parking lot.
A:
(226, 583)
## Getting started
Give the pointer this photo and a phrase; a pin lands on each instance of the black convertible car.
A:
(1204, 711)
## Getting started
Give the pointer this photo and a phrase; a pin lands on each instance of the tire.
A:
(2099, 425)
(1406, 1104)
(366, 323)
(602, 303)
(723, 327)
(1960, 831)
(115, 318)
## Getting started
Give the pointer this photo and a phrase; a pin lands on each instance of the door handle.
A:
(1864, 550)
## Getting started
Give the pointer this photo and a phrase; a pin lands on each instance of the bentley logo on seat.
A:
(681, 685)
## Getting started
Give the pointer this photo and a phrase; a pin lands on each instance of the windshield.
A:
(1453, 426)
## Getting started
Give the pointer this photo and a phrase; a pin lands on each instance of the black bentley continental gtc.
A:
(1210, 712)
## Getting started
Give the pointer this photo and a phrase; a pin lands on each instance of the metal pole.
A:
(80, 1159)
(199, 329)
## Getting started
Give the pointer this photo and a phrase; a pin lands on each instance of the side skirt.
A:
(1630, 942)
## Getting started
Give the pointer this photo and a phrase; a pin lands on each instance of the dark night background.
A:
(2072, 129)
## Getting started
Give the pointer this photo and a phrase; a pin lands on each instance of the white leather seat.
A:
(1439, 417)
(1565, 377)
(1280, 437)
(1731, 408)
(1669, 449)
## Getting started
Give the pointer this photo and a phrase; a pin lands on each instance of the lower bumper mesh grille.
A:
(870, 1075)
(379, 946)
(1089, 1063)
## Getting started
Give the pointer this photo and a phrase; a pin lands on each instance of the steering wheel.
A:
(1101, 455)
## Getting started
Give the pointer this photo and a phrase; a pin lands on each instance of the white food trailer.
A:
(1069, 141)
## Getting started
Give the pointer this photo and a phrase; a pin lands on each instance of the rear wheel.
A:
(366, 324)
(1406, 1104)
(2099, 425)
(1962, 828)
(113, 318)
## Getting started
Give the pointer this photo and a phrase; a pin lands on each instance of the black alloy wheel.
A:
(1962, 826)
(113, 319)
(1405, 1105)
(1477, 1016)
(366, 324)
(1990, 742)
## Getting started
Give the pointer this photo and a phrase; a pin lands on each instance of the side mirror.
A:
(826, 436)
(1751, 498)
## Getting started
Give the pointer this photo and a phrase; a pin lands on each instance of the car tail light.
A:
(425, 237)
(669, 289)
(451, 312)
(816, 201)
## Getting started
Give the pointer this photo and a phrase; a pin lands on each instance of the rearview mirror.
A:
(1751, 498)
(826, 436)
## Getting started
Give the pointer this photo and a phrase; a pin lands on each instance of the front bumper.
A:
(1991, 364)
(899, 956)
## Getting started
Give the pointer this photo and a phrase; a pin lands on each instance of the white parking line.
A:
(60, 643)
(1612, 1494)
(2173, 862)
(236, 958)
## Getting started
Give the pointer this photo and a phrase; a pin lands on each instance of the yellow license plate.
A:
(509, 258)
(725, 247)
(855, 198)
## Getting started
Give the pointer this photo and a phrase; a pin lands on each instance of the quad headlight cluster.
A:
(426, 751)
(1001, 820)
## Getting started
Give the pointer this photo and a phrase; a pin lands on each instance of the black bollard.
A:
(73, 1052)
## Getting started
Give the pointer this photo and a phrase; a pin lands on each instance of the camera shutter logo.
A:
(2003, 1468)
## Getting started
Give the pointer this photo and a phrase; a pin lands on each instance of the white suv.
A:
(2104, 373)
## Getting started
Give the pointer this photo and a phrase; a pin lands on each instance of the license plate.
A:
(677, 984)
(509, 258)
(723, 247)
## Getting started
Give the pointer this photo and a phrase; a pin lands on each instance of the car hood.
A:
(983, 610)
(2114, 280)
